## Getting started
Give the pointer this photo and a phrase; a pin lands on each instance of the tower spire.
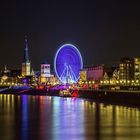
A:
(5, 69)
(26, 53)
(26, 65)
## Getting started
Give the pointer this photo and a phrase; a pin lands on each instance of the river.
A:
(55, 118)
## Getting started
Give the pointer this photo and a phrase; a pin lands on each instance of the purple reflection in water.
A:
(54, 118)
(24, 120)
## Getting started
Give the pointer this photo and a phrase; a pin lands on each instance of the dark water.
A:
(54, 118)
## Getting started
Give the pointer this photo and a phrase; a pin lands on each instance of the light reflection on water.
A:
(54, 118)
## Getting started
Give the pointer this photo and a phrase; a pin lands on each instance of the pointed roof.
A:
(32, 72)
(26, 52)
(5, 69)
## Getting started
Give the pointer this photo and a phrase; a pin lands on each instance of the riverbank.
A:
(117, 97)
(120, 97)
(24, 91)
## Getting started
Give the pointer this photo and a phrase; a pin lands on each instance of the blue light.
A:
(67, 64)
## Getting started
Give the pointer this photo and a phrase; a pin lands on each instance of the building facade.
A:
(126, 70)
(95, 73)
(92, 74)
(137, 68)
(83, 75)
(45, 73)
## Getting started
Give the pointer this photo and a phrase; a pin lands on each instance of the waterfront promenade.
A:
(123, 97)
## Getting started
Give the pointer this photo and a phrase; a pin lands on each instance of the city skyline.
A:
(70, 69)
(106, 31)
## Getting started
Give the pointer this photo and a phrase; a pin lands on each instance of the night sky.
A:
(104, 31)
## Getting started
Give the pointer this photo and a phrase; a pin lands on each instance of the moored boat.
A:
(65, 93)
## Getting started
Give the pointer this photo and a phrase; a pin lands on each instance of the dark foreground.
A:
(26, 117)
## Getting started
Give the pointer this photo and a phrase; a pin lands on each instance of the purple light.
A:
(67, 64)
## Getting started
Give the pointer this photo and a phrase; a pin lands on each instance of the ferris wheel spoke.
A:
(62, 76)
(73, 74)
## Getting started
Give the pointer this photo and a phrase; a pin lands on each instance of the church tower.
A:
(26, 64)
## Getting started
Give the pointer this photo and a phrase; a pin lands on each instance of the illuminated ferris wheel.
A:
(67, 64)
